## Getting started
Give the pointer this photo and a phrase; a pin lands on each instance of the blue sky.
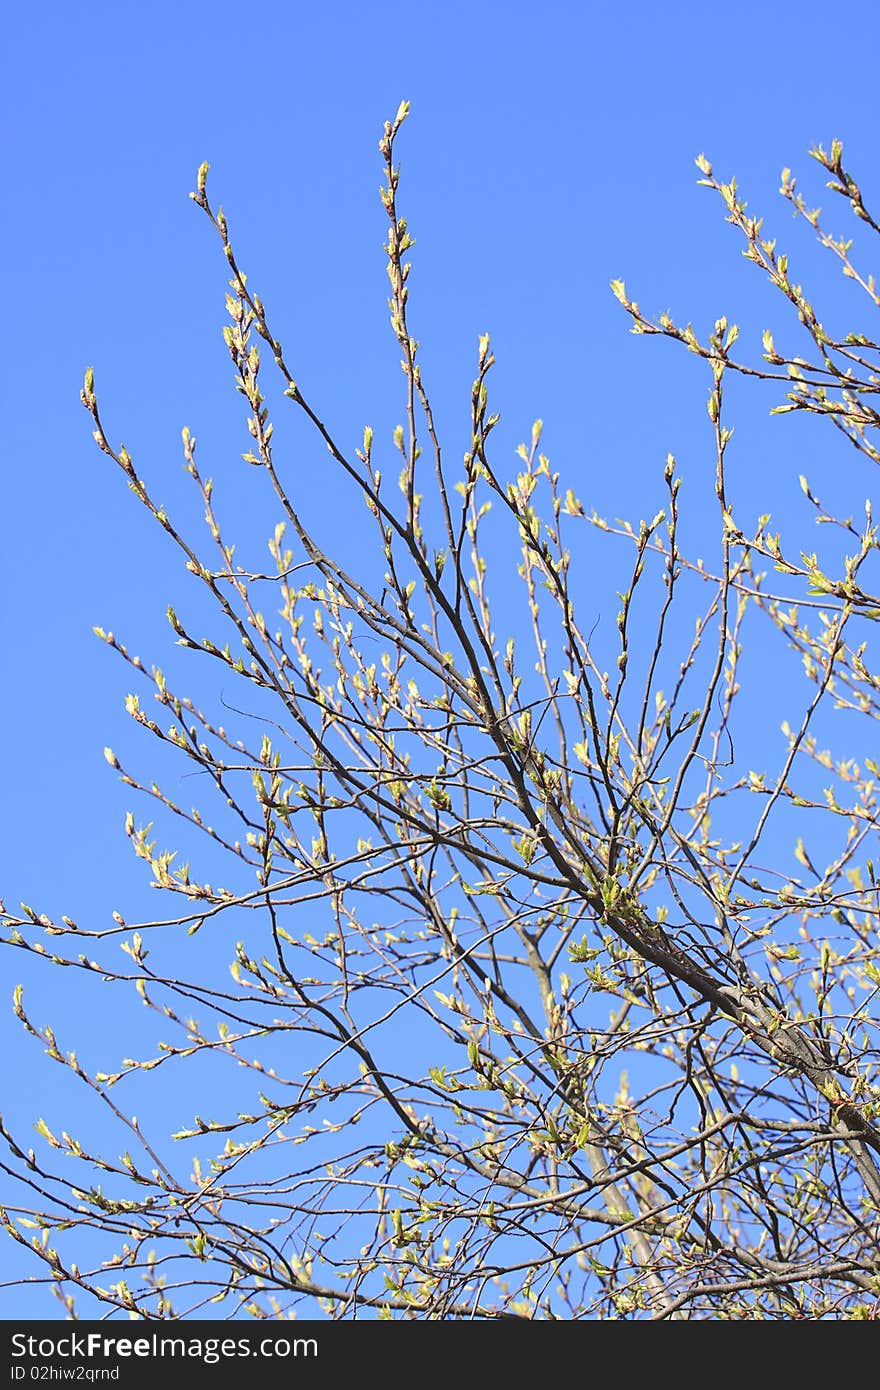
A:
(550, 149)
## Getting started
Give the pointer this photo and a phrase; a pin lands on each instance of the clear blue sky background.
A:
(550, 149)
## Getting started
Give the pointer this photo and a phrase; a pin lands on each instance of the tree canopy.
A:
(545, 999)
